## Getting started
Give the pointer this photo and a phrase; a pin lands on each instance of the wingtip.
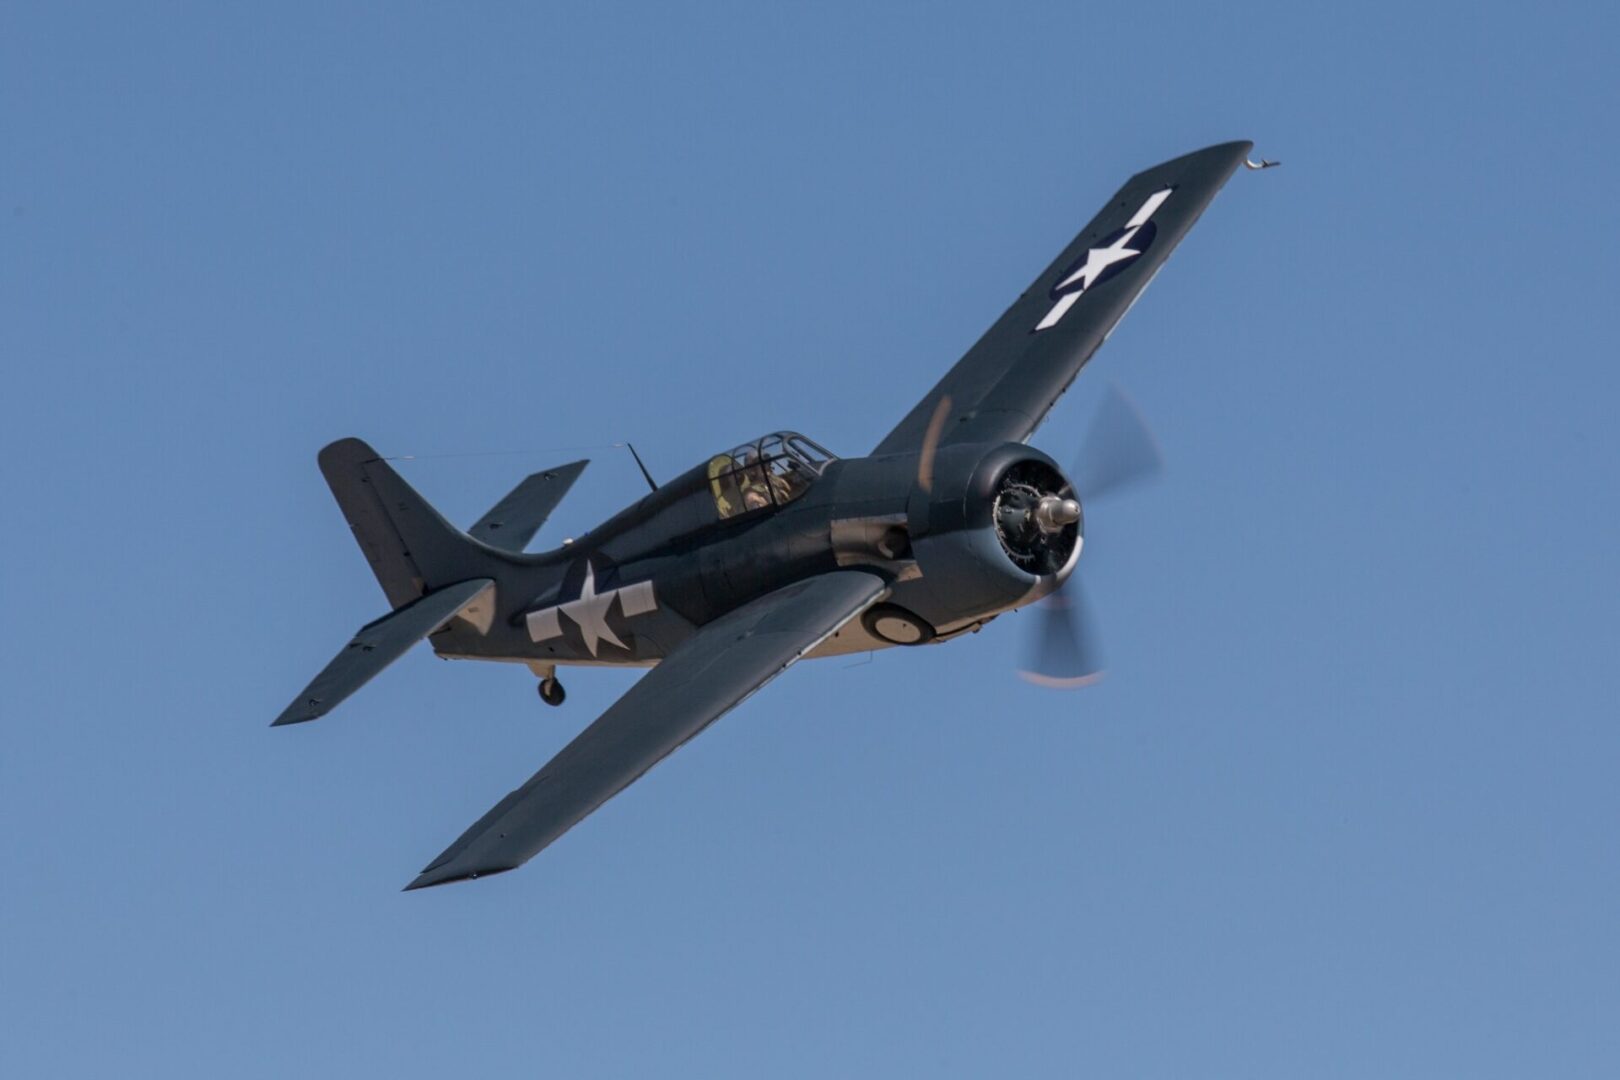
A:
(1235, 152)
(425, 880)
(431, 877)
(294, 714)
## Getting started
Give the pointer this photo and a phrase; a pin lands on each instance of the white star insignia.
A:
(1098, 260)
(590, 612)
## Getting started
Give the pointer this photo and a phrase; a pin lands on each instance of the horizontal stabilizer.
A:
(380, 643)
(513, 521)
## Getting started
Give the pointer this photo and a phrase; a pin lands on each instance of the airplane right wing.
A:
(702, 679)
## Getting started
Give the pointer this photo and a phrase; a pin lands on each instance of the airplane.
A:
(773, 551)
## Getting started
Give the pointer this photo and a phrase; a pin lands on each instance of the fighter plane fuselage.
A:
(636, 586)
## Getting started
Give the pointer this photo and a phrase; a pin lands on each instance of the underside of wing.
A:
(1005, 385)
(699, 681)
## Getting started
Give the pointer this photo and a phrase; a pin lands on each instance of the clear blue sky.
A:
(1345, 805)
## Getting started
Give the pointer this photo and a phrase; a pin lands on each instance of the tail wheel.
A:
(552, 692)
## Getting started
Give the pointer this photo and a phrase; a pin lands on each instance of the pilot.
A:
(751, 482)
(723, 484)
(789, 482)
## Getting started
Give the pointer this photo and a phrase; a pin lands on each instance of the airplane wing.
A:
(1005, 385)
(512, 522)
(701, 680)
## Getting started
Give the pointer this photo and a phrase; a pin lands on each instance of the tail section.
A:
(411, 548)
(431, 571)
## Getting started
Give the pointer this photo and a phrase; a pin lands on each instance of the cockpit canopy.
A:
(772, 471)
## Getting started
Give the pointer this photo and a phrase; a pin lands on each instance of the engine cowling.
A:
(997, 528)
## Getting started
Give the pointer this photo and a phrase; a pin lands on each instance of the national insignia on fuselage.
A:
(589, 611)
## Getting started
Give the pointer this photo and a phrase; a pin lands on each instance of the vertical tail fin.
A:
(410, 547)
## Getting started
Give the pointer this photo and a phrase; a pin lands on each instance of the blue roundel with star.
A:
(1111, 255)
(1107, 258)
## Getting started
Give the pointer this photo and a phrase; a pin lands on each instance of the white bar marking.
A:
(1149, 208)
(1059, 309)
(543, 625)
(637, 599)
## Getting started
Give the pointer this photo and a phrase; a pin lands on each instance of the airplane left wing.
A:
(1005, 385)
(702, 679)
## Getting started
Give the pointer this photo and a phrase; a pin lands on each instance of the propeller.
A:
(1117, 453)
(1066, 652)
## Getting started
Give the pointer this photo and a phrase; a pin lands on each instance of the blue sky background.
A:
(1345, 805)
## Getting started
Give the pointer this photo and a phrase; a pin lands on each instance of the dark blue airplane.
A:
(778, 549)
